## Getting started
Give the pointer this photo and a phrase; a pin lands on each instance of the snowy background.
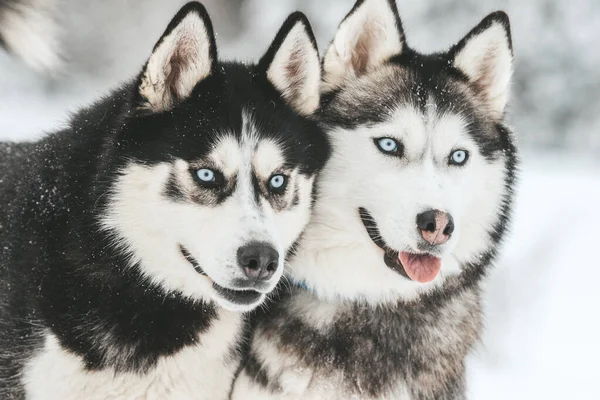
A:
(543, 328)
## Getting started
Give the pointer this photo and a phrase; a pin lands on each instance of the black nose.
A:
(435, 226)
(258, 260)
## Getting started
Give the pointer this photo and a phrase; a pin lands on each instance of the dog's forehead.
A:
(419, 125)
(232, 153)
(377, 95)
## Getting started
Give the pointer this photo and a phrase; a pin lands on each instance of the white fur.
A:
(297, 53)
(194, 373)
(337, 259)
(189, 43)
(369, 36)
(487, 60)
(152, 226)
(30, 31)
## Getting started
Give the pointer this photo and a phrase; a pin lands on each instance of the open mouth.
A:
(419, 267)
(239, 297)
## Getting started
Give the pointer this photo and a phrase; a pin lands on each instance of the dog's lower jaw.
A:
(244, 303)
(231, 299)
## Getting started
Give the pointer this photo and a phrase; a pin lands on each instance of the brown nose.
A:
(435, 226)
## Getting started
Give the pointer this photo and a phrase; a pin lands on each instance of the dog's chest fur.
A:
(201, 371)
(347, 350)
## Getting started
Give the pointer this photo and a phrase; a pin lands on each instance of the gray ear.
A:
(292, 64)
(369, 35)
(485, 57)
(185, 54)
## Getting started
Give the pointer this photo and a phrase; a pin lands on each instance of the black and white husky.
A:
(131, 241)
(411, 209)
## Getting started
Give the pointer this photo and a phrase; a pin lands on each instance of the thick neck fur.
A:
(374, 352)
(104, 311)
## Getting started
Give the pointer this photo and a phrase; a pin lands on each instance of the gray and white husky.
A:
(132, 240)
(411, 209)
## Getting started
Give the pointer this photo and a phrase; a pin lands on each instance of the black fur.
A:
(59, 272)
(173, 191)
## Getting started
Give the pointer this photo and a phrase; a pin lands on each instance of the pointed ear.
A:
(485, 57)
(368, 36)
(184, 55)
(292, 64)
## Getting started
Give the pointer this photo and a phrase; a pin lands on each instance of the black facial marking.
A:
(279, 200)
(173, 190)
(390, 255)
(256, 188)
(291, 252)
(186, 254)
(227, 190)
(213, 196)
(296, 198)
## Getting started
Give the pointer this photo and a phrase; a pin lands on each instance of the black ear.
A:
(368, 36)
(185, 54)
(292, 64)
(485, 57)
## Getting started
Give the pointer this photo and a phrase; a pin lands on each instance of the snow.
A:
(541, 340)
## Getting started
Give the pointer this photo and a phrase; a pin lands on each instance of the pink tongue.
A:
(422, 268)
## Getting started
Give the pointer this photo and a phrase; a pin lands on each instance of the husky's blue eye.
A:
(388, 145)
(458, 157)
(206, 175)
(277, 183)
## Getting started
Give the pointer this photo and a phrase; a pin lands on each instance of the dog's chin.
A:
(236, 299)
(422, 267)
(239, 302)
(228, 298)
